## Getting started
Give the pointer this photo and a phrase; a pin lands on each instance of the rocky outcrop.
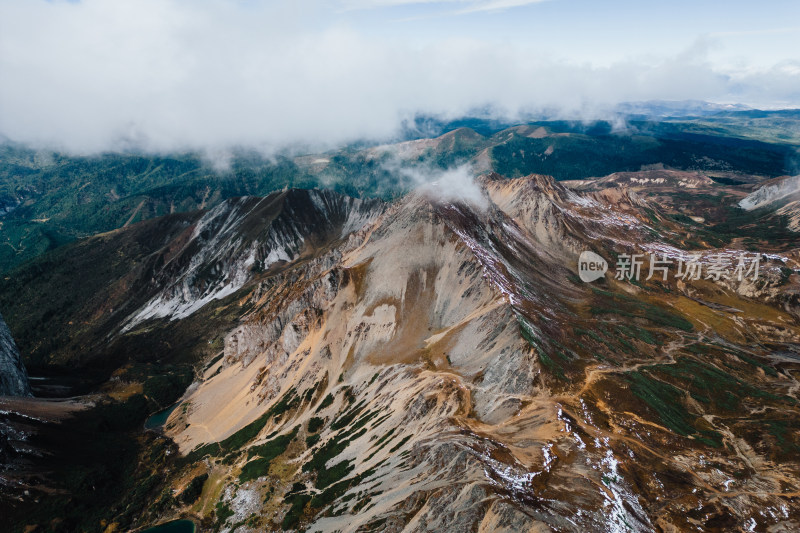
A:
(13, 377)
(772, 191)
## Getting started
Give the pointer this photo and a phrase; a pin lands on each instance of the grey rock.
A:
(13, 377)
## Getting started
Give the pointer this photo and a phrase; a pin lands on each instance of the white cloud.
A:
(497, 5)
(174, 74)
(470, 6)
(455, 184)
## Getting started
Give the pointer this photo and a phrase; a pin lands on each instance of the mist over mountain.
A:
(50, 198)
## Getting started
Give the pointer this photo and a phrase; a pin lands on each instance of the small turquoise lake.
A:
(158, 420)
(177, 526)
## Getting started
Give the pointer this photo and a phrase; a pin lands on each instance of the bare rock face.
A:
(771, 192)
(13, 377)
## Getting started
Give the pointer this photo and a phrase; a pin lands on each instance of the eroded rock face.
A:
(13, 377)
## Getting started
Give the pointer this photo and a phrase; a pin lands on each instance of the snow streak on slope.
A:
(244, 236)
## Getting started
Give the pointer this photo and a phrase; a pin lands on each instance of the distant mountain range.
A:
(48, 199)
(676, 108)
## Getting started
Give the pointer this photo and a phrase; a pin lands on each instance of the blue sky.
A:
(758, 34)
(166, 74)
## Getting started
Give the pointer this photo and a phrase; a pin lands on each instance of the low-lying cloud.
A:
(456, 184)
(173, 75)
